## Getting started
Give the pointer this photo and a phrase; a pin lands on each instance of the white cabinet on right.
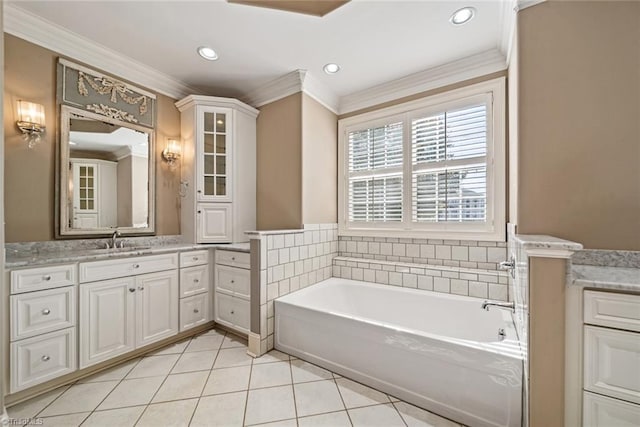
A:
(233, 290)
(611, 368)
(218, 169)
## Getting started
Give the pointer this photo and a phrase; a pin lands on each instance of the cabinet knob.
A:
(195, 258)
(233, 281)
(45, 358)
(132, 289)
(233, 258)
(233, 312)
(47, 278)
(199, 191)
(195, 310)
(46, 311)
(199, 211)
(141, 288)
(136, 265)
(196, 281)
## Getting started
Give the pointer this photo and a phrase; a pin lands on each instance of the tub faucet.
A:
(506, 305)
(114, 238)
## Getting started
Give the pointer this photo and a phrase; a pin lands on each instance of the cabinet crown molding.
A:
(216, 101)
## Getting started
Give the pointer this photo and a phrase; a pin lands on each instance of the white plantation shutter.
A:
(449, 165)
(375, 172)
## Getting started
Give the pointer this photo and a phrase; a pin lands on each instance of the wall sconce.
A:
(171, 153)
(31, 121)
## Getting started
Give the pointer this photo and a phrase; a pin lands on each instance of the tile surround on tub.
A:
(450, 253)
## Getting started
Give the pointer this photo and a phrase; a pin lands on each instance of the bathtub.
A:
(438, 351)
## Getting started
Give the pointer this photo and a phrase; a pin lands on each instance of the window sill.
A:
(490, 236)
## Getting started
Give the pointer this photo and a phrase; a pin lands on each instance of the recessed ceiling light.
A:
(462, 16)
(331, 68)
(207, 53)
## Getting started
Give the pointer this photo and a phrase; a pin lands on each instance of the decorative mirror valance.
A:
(106, 169)
(93, 91)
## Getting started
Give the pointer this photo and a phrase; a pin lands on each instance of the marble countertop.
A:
(81, 255)
(536, 241)
(614, 278)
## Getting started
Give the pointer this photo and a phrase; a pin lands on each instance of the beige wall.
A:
(30, 74)
(579, 122)
(319, 163)
(279, 174)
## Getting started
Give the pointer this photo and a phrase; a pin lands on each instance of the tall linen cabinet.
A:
(218, 169)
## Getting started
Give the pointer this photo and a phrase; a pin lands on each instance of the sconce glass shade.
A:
(171, 153)
(31, 121)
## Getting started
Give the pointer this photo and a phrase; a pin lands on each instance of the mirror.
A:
(106, 175)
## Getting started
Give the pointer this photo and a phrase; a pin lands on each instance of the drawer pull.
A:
(141, 288)
(46, 312)
(196, 281)
(195, 258)
(47, 278)
(132, 289)
(45, 358)
(233, 258)
(233, 312)
(136, 265)
(195, 310)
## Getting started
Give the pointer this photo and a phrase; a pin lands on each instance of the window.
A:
(432, 167)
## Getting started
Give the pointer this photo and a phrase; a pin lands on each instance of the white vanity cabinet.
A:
(121, 314)
(42, 308)
(218, 169)
(195, 289)
(611, 364)
(232, 289)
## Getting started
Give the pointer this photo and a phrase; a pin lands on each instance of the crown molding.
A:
(215, 101)
(508, 21)
(453, 72)
(523, 4)
(30, 27)
(290, 83)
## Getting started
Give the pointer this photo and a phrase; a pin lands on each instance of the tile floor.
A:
(209, 380)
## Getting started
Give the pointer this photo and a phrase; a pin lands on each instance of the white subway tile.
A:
(357, 273)
(295, 283)
(304, 252)
(374, 248)
(497, 292)
(299, 239)
(418, 271)
(269, 343)
(402, 269)
(313, 251)
(459, 287)
(270, 275)
(278, 241)
(289, 240)
(270, 326)
(441, 284)
(413, 250)
(283, 255)
(399, 249)
(425, 282)
(468, 276)
(278, 273)
(409, 280)
(345, 272)
(496, 254)
(304, 280)
(369, 276)
(478, 254)
(315, 263)
(451, 274)
(289, 270)
(386, 248)
(342, 246)
(443, 252)
(308, 237)
(427, 251)
(294, 253)
(308, 265)
(460, 253)
(395, 279)
(478, 290)
(336, 271)
(269, 242)
(272, 291)
(382, 277)
(363, 247)
(284, 287)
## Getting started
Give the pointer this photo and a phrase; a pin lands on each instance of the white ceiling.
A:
(112, 142)
(373, 41)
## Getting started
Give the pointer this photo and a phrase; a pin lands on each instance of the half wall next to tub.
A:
(287, 260)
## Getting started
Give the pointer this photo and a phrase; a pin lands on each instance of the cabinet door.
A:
(214, 222)
(107, 319)
(85, 194)
(156, 306)
(214, 141)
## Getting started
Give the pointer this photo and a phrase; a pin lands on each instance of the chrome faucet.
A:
(506, 305)
(114, 239)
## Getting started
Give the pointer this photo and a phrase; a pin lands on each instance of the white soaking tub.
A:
(438, 351)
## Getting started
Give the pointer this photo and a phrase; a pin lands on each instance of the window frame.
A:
(494, 229)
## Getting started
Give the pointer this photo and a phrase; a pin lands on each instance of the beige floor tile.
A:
(270, 404)
(122, 417)
(232, 341)
(153, 366)
(393, 398)
(220, 410)
(214, 332)
(285, 423)
(230, 357)
(71, 420)
(31, 407)
(317, 398)
(196, 361)
(176, 348)
(228, 380)
(417, 417)
(270, 374)
(138, 391)
(272, 356)
(112, 374)
(376, 416)
(332, 419)
(304, 371)
(355, 394)
(168, 414)
(79, 398)
(205, 342)
(182, 386)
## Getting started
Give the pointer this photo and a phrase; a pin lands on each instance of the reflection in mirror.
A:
(107, 179)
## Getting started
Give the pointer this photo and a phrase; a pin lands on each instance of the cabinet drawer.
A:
(194, 311)
(189, 259)
(612, 363)
(232, 258)
(613, 310)
(600, 411)
(36, 313)
(111, 269)
(194, 280)
(42, 358)
(37, 279)
(234, 280)
(232, 311)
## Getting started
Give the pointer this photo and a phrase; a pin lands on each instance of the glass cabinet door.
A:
(215, 158)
